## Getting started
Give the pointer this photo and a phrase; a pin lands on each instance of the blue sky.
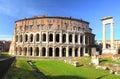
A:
(89, 10)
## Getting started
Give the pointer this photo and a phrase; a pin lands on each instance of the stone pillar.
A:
(47, 37)
(39, 51)
(27, 51)
(112, 36)
(53, 51)
(67, 38)
(78, 38)
(67, 52)
(79, 52)
(34, 38)
(40, 37)
(84, 52)
(73, 37)
(54, 37)
(73, 52)
(60, 37)
(104, 36)
(33, 52)
(84, 39)
(60, 51)
(47, 51)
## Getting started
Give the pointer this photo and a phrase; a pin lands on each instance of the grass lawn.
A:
(21, 70)
(5, 55)
(57, 69)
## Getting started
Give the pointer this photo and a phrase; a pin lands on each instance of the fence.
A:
(4, 66)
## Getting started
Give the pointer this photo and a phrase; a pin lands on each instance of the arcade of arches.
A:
(53, 44)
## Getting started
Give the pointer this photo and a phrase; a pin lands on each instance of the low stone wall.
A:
(5, 65)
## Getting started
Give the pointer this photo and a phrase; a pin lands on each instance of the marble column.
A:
(112, 36)
(104, 36)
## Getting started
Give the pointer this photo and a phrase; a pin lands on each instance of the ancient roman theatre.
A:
(52, 36)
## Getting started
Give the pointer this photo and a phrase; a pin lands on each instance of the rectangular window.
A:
(42, 21)
(83, 29)
(79, 28)
(20, 28)
(58, 27)
(41, 27)
(66, 27)
(26, 28)
(74, 28)
(70, 22)
(50, 26)
(31, 27)
(38, 27)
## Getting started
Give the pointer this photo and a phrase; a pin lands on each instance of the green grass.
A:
(57, 69)
(104, 61)
(5, 55)
(21, 70)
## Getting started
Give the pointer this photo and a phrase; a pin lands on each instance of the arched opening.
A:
(57, 37)
(57, 52)
(37, 51)
(76, 38)
(50, 37)
(81, 51)
(81, 39)
(20, 38)
(63, 52)
(64, 38)
(20, 51)
(70, 38)
(25, 51)
(31, 38)
(50, 51)
(37, 37)
(70, 51)
(16, 38)
(43, 51)
(76, 52)
(44, 37)
(31, 50)
(119, 50)
(26, 37)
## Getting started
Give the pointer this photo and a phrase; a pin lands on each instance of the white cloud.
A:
(19, 8)
(5, 37)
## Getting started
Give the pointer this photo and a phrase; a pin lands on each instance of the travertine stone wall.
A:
(52, 37)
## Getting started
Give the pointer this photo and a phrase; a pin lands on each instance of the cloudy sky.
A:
(88, 10)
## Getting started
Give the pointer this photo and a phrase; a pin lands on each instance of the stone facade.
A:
(108, 42)
(47, 36)
(4, 45)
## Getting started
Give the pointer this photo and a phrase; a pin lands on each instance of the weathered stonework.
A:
(47, 36)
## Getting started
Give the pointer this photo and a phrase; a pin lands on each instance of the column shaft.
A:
(112, 36)
(104, 36)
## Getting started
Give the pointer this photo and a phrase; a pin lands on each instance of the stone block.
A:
(76, 63)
